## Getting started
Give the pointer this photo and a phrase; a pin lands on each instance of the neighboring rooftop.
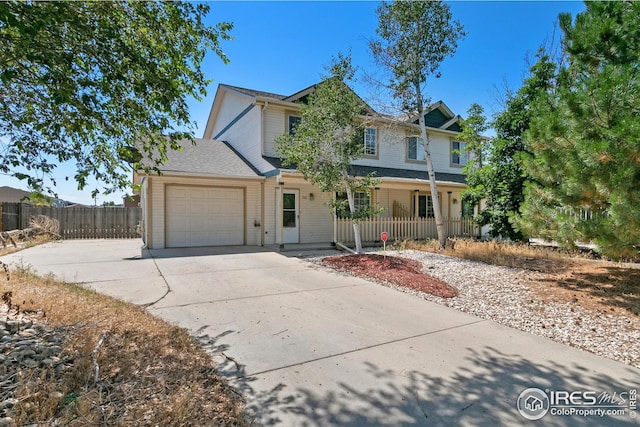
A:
(13, 195)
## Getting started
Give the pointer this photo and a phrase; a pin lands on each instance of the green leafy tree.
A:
(585, 136)
(39, 199)
(88, 81)
(473, 129)
(328, 138)
(476, 169)
(499, 182)
(415, 37)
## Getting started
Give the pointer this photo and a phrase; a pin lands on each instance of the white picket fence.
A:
(404, 228)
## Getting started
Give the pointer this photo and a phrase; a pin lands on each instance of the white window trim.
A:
(421, 148)
(364, 141)
(461, 156)
(289, 116)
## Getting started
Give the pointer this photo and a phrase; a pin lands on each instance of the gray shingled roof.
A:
(208, 157)
(406, 173)
(387, 172)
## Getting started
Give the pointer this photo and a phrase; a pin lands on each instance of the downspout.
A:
(262, 138)
(262, 186)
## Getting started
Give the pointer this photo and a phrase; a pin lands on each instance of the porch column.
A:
(448, 213)
(335, 228)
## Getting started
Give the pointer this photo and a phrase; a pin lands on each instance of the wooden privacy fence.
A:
(105, 222)
(404, 228)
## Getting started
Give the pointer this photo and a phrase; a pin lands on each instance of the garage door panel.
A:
(204, 216)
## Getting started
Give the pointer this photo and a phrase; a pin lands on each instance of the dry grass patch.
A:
(118, 365)
(514, 255)
(23, 244)
(556, 275)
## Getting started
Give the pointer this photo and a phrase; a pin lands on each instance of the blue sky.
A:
(282, 47)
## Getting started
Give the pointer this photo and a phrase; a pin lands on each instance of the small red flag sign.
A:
(383, 236)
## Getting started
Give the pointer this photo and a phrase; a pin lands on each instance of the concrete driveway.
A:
(307, 346)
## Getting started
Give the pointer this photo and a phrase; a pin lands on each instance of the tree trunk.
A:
(442, 236)
(352, 209)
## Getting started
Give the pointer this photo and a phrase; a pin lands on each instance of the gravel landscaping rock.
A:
(27, 344)
(509, 296)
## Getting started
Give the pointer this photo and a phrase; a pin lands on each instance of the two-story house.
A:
(231, 188)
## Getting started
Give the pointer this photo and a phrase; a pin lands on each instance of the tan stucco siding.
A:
(157, 198)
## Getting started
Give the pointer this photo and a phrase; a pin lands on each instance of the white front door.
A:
(290, 216)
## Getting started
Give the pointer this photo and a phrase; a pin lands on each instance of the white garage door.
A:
(204, 216)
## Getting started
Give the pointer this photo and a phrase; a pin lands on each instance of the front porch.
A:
(403, 228)
(408, 213)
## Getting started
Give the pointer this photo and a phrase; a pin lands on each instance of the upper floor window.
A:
(415, 149)
(458, 153)
(370, 142)
(293, 123)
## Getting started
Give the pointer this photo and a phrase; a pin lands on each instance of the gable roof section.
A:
(439, 116)
(302, 95)
(453, 124)
(251, 95)
(209, 157)
(299, 96)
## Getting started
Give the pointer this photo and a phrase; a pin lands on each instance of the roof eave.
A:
(176, 173)
(263, 100)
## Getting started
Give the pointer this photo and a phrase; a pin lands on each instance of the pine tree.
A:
(585, 135)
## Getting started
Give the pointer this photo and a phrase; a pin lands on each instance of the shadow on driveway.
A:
(485, 395)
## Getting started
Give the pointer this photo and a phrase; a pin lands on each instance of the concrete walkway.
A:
(307, 346)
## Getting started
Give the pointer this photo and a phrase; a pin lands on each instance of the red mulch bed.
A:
(402, 272)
